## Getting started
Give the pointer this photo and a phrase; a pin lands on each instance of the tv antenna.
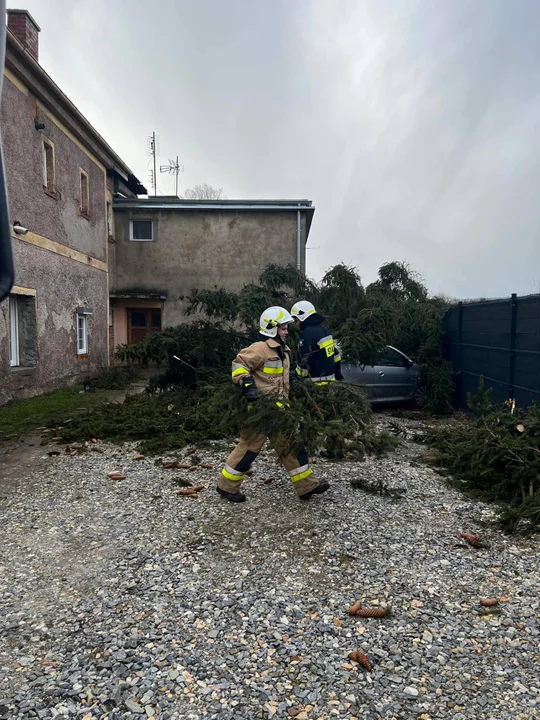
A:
(173, 168)
(152, 151)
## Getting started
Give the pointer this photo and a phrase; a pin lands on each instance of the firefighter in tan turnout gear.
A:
(264, 368)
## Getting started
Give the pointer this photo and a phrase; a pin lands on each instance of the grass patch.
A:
(25, 416)
(116, 378)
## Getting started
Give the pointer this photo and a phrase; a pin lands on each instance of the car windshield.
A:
(393, 358)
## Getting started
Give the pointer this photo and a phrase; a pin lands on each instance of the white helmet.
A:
(272, 318)
(302, 310)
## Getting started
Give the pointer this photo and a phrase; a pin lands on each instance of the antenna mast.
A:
(152, 151)
(173, 168)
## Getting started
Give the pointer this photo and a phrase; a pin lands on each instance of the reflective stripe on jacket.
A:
(263, 361)
(319, 356)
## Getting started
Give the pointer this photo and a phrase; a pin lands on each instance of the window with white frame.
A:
(82, 333)
(141, 230)
(14, 359)
(49, 170)
(110, 231)
(85, 193)
(22, 330)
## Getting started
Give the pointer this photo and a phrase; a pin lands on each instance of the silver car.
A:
(395, 378)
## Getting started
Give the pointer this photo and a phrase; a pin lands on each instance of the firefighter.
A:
(263, 367)
(319, 356)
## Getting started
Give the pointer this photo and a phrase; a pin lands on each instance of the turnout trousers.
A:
(244, 454)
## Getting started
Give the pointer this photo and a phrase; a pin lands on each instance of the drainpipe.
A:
(298, 240)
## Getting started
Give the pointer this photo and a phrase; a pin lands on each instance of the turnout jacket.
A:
(268, 362)
(319, 355)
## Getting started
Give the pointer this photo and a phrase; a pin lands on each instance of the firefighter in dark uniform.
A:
(319, 356)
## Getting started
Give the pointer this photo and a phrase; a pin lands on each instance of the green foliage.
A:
(340, 296)
(202, 347)
(364, 338)
(116, 377)
(336, 417)
(481, 403)
(216, 304)
(395, 310)
(398, 279)
(496, 456)
(24, 416)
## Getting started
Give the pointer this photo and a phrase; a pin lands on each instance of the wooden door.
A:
(142, 322)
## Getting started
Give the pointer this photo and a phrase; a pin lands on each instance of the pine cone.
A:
(372, 612)
(472, 539)
(361, 658)
(489, 602)
(353, 610)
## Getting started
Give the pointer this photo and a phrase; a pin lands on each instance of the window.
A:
(85, 202)
(109, 220)
(49, 179)
(142, 322)
(13, 332)
(138, 318)
(393, 358)
(22, 330)
(82, 334)
(141, 230)
(156, 319)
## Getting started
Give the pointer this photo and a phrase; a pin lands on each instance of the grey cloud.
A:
(412, 124)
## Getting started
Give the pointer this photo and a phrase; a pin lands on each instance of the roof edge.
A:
(113, 160)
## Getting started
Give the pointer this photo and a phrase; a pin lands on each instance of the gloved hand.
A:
(249, 389)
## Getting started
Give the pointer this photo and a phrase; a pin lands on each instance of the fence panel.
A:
(499, 339)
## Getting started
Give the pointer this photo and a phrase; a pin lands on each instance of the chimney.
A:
(25, 29)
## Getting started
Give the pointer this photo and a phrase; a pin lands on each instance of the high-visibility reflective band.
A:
(325, 341)
(300, 371)
(239, 370)
(319, 384)
(324, 378)
(231, 474)
(301, 475)
(337, 358)
(273, 367)
(280, 404)
(310, 312)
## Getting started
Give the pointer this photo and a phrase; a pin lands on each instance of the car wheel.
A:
(420, 397)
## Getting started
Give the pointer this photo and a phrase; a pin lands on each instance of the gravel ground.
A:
(123, 599)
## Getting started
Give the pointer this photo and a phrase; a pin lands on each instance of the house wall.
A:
(202, 249)
(64, 258)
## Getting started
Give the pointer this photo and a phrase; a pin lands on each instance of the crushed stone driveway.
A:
(125, 599)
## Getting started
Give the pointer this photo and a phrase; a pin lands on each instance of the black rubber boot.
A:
(232, 497)
(329, 455)
(319, 490)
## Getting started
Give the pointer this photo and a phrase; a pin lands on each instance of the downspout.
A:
(299, 241)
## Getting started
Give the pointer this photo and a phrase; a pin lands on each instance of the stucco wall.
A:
(56, 219)
(200, 249)
(61, 286)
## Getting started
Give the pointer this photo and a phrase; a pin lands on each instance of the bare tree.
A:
(204, 192)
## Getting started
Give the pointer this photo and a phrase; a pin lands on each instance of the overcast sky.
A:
(413, 125)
